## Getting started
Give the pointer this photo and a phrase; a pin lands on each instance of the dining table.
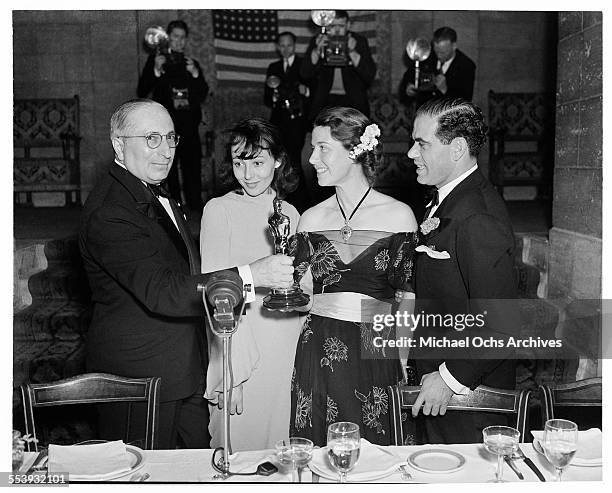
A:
(194, 466)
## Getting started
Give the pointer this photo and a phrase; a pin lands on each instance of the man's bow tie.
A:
(434, 198)
(160, 190)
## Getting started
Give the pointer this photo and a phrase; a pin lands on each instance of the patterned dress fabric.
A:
(339, 374)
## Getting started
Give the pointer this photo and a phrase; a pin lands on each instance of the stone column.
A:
(575, 239)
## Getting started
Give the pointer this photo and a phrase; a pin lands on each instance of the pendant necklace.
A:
(346, 231)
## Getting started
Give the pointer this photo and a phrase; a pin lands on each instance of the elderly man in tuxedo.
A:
(143, 269)
(465, 266)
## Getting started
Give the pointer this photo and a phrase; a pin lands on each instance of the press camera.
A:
(336, 51)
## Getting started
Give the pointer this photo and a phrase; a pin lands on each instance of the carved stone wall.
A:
(575, 269)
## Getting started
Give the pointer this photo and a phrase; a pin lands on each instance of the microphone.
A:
(224, 291)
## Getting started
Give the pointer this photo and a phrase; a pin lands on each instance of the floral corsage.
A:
(368, 141)
(429, 225)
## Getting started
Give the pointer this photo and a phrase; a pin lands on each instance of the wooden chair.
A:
(483, 398)
(46, 151)
(521, 145)
(92, 388)
(582, 393)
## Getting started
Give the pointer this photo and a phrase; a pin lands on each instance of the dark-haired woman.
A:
(234, 231)
(356, 250)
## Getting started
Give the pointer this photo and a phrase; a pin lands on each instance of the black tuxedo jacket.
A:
(356, 80)
(147, 315)
(459, 79)
(478, 277)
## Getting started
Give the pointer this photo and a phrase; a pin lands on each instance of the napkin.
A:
(588, 452)
(374, 462)
(91, 460)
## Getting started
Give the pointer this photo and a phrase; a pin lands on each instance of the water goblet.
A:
(500, 440)
(296, 452)
(560, 443)
(343, 445)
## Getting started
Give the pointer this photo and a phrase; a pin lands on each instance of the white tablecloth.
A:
(194, 466)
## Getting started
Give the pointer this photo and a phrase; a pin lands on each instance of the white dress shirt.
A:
(288, 62)
(443, 67)
(456, 386)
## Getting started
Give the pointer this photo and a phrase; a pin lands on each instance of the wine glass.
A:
(560, 443)
(297, 452)
(500, 440)
(343, 444)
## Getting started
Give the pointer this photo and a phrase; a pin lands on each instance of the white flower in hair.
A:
(368, 141)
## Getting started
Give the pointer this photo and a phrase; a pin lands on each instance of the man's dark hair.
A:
(445, 33)
(342, 14)
(286, 33)
(457, 118)
(178, 24)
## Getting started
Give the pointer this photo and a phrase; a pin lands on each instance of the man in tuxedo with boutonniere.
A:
(143, 269)
(464, 273)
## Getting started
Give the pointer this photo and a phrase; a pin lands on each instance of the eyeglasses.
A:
(155, 139)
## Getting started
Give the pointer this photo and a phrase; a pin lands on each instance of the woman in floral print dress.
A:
(354, 252)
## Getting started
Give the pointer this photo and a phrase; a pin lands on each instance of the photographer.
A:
(448, 72)
(176, 81)
(336, 83)
(289, 105)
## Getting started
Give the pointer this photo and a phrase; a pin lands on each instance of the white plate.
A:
(334, 476)
(575, 462)
(386, 463)
(437, 460)
(136, 458)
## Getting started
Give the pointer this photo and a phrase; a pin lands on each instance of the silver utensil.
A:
(520, 455)
(140, 478)
(40, 462)
(406, 476)
(510, 461)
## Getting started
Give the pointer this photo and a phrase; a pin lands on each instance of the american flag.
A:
(244, 40)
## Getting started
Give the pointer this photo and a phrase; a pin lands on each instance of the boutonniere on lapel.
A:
(426, 227)
(429, 225)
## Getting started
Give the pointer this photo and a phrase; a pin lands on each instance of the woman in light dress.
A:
(234, 231)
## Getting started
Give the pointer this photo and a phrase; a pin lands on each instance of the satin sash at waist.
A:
(348, 306)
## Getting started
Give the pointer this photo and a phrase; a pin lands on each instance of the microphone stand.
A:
(224, 315)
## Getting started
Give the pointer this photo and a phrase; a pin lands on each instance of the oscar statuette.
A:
(283, 298)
